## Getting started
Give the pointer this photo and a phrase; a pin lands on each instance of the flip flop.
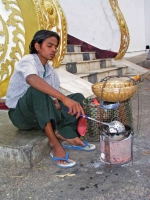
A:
(69, 163)
(87, 147)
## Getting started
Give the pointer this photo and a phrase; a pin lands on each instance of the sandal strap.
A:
(77, 147)
(64, 159)
(86, 144)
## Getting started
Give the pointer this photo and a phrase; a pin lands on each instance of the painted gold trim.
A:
(63, 35)
(8, 61)
(27, 17)
(125, 37)
(46, 14)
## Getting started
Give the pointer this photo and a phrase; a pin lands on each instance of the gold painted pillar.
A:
(125, 37)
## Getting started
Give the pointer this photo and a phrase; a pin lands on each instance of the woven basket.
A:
(92, 110)
(93, 128)
(115, 90)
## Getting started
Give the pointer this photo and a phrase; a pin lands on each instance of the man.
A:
(34, 99)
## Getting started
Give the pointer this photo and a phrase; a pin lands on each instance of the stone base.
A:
(20, 148)
(147, 64)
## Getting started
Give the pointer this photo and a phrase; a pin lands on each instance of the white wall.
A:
(147, 21)
(133, 11)
(94, 22)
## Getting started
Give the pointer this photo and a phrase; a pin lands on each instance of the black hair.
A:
(39, 37)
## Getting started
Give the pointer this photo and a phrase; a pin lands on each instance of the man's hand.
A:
(74, 107)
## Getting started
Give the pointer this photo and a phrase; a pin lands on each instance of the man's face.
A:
(47, 50)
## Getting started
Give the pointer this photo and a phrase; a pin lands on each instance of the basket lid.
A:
(119, 80)
(115, 82)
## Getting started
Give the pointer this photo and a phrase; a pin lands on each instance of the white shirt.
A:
(29, 64)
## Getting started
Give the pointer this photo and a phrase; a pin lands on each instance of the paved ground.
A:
(89, 179)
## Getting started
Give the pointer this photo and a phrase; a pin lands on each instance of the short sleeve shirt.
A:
(29, 64)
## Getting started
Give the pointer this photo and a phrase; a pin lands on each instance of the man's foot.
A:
(61, 158)
(58, 152)
(68, 162)
(75, 141)
(88, 147)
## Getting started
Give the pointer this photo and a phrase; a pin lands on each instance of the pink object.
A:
(95, 101)
(82, 126)
(116, 152)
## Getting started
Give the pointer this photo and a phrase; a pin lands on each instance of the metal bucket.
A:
(116, 151)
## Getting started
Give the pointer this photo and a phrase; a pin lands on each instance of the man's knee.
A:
(77, 97)
(37, 95)
(80, 98)
(80, 95)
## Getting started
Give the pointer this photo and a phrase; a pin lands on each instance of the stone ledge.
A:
(21, 148)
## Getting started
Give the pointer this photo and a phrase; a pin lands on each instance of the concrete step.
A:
(137, 59)
(73, 48)
(78, 56)
(20, 148)
(82, 66)
(146, 64)
(94, 76)
(138, 64)
(132, 68)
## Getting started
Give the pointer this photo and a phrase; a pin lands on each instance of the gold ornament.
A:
(125, 37)
(10, 52)
(24, 18)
